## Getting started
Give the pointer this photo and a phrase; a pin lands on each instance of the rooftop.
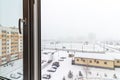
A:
(94, 56)
(114, 55)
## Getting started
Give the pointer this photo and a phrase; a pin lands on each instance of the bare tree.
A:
(70, 74)
(64, 78)
(114, 76)
(97, 74)
(105, 75)
(80, 74)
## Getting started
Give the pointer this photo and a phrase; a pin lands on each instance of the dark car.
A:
(56, 64)
(19, 73)
(52, 53)
(46, 76)
(63, 57)
(45, 53)
(49, 61)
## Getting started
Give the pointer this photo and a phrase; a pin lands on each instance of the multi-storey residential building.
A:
(11, 44)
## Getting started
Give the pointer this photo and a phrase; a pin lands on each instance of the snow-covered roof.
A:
(94, 56)
(114, 55)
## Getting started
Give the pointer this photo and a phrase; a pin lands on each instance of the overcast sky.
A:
(10, 12)
(78, 18)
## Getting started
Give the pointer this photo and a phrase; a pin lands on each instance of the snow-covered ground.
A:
(111, 48)
(75, 46)
(91, 73)
(12, 70)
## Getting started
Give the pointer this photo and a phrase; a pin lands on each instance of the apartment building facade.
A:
(11, 44)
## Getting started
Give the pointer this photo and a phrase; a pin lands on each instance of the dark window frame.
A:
(28, 48)
(39, 37)
(28, 42)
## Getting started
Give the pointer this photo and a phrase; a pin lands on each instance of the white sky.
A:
(79, 18)
(10, 12)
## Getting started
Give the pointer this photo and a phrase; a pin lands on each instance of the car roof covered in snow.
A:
(94, 56)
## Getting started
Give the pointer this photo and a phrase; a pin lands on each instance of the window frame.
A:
(39, 37)
(28, 48)
(28, 32)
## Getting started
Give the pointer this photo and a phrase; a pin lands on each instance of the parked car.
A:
(63, 57)
(56, 64)
(49, 61)
(46, 76)
(55, 67)
(42, 61)
(51, 70)
(52, 53)
(63, 47)
(45, 53)
(19, 73)
(15, 76)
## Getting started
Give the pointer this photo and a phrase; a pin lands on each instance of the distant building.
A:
(11, 44)
(97, 60)
(116, 57)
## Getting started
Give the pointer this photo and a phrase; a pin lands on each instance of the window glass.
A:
(11, 42)
(87, 29)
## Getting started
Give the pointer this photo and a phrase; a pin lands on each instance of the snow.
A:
(95, 56)
(48, 51)
(75, 46)
(7, 70)
(110, 48)
(114, 55)
(66, 66)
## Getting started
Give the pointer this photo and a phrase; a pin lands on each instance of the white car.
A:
(51, 70)
(46, 76)
(55, 67)
(15, 76)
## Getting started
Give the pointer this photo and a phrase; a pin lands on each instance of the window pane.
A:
(11, 42)
(80, 29)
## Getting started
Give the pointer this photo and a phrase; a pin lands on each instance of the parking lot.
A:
(12, 70)
(65, 66)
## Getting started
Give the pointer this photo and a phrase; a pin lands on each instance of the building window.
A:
(105, 62)
(97, 61)
(118, 62)
(90, 61)
(77, 59)
(83, 60)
